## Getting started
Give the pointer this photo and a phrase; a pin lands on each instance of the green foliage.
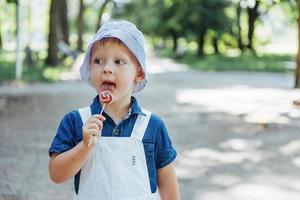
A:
(8, 20)
(291, 7)
(39, 73)
(181, 16)
(244, 62)
(7, 65)
(161, 20)
(206, 15)
(177, 18)
(12, 1)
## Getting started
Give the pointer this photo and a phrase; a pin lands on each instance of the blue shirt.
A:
(157, 144)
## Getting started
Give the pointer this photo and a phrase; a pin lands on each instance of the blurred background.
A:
(223, 74)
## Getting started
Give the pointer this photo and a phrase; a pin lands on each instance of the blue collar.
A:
(135, 107)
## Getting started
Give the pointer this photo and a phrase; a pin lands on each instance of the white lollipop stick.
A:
(92, 138)
(106, 97)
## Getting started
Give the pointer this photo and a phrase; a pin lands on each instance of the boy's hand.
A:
(91, 129)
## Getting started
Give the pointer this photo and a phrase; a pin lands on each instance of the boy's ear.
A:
(140, 75)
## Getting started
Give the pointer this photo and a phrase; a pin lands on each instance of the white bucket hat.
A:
(128, 33)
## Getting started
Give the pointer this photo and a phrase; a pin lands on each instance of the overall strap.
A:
(85, 113)
(141, 124)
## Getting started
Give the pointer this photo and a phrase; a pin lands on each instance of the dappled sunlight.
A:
(250, 191)
(164, 65)
(260, 186)
(225, 180)
(291, 148)
(237, 144)
(296, 161)
(295, 185)
(254, 105)
(255, 164)
(192, 163)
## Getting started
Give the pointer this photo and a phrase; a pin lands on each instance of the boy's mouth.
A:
(108, 85)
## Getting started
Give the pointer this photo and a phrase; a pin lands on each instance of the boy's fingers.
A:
(93, 126)
(91, 131)
(100, 117)
(97, 121)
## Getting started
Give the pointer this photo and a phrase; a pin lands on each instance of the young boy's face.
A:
(114, 68)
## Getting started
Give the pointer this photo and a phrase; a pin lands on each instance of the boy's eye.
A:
(97, 61)
(119, 62)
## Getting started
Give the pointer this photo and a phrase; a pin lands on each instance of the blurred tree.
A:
(292, 7)
(148, 20)
(58, 30)
(101, 11)
(30, 62)
(173, 16)
(161, 19)
(178, 18)
(63, 20)
(16, 3)
(295, 8)
(80, 25)
(253, 14)
(239, 31)
(256, 8)
(52, 58)
(207, 15)
(1, 44)
(297, 78)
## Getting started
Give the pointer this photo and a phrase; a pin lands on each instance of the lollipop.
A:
(106, 97)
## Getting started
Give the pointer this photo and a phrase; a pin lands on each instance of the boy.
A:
(130, 157)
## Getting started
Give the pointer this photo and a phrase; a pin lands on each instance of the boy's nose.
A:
(108, 68)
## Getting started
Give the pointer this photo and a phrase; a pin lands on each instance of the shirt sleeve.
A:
(65, 135)
(164, 153)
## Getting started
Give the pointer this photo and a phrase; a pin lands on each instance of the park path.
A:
(236, 133)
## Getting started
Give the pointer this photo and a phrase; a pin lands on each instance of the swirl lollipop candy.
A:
(106, 97)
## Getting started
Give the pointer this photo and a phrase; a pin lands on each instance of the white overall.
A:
(117, 168)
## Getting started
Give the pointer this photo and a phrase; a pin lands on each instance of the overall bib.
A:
(117, 168)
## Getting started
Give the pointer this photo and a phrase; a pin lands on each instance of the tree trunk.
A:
(238, 16)
(80, 26)
(102, 9)
(64, 26)
(252, 16)
(1, 44)
(200, 42)
(17, 15)
(297, 78)
(215, 42)
(29, 60)
(175, 40)
(52, 58)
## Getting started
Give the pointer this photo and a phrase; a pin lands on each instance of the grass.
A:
(243, 62)
(39, 73)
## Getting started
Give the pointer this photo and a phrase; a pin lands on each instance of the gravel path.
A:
(236, 133)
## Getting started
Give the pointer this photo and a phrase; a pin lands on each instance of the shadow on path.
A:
(236, 133)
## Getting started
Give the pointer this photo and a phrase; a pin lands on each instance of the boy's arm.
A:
(167, 183)
(64, 166)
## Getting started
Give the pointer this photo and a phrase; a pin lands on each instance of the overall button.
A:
(116, 131)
